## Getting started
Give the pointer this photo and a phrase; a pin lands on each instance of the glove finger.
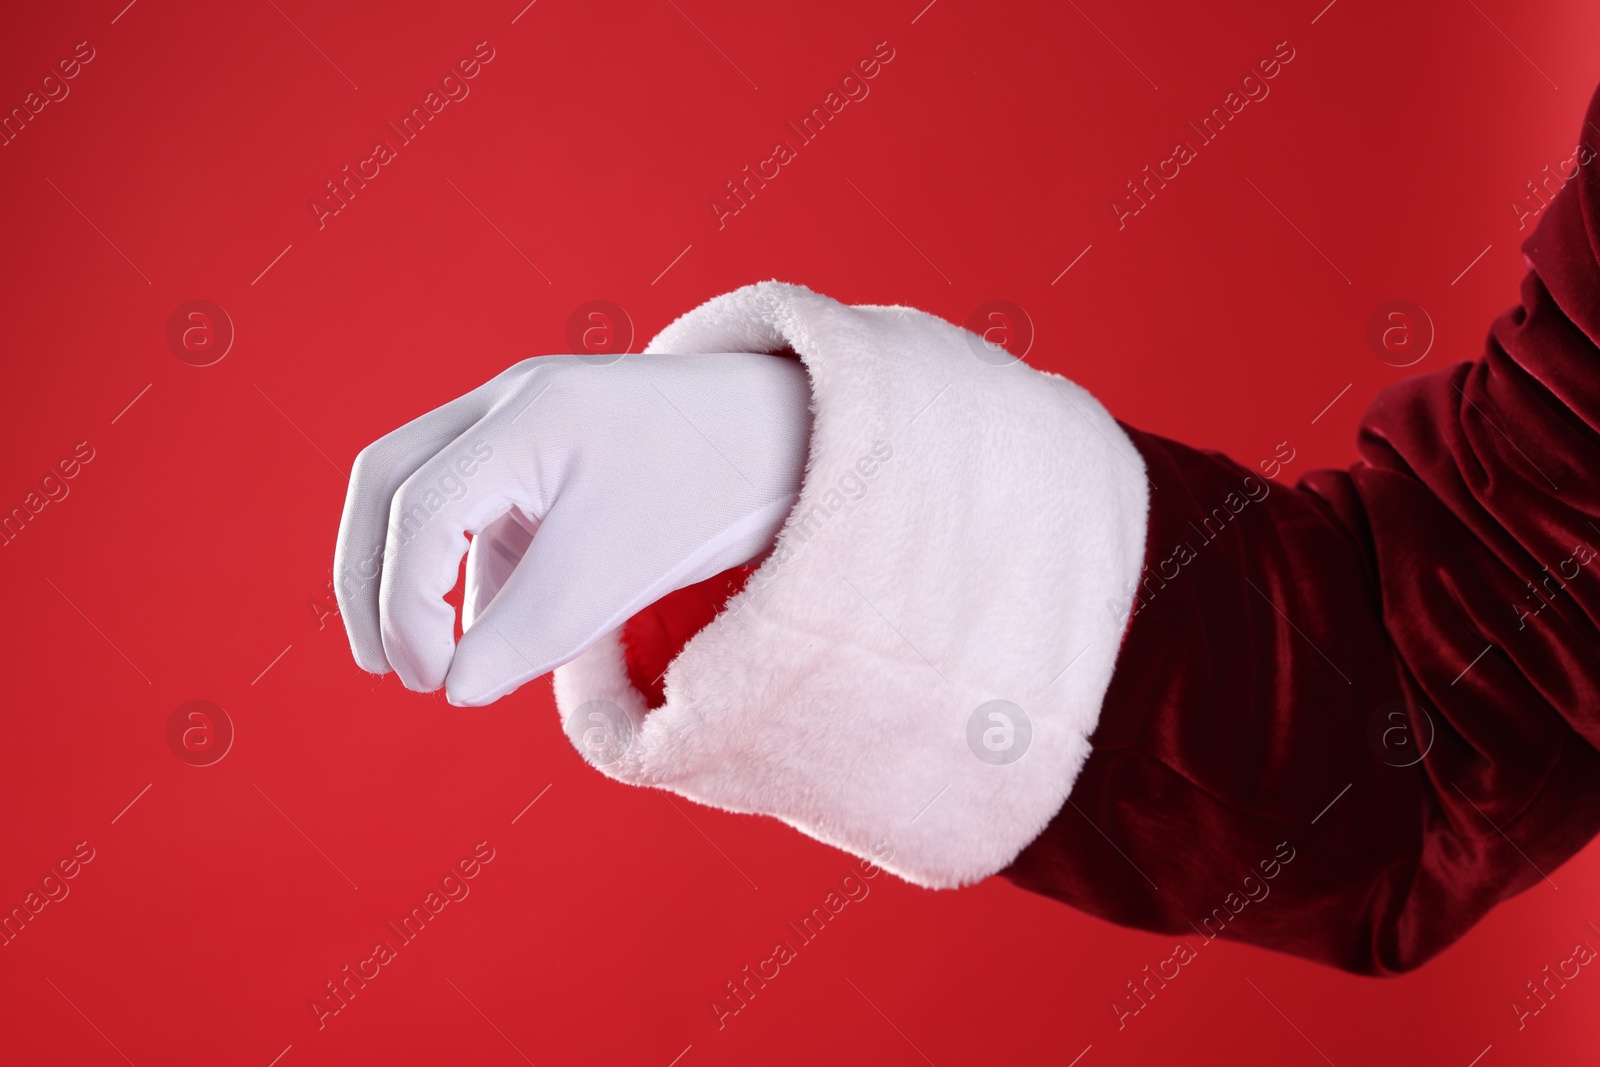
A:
(378, 472)
(558, 600)
(494, 554)
(587, 571)
(467, 486)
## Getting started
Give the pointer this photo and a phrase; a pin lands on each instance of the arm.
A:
(1374, 697)
(1000, 632)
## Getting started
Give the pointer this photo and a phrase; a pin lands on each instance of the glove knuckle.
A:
(368, 465)
(411, 509)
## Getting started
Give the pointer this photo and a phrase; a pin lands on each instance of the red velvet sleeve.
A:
(1350, 717)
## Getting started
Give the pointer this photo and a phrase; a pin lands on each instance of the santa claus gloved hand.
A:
(592, 489)
(912, 673)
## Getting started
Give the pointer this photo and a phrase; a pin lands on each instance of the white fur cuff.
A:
(922, 658)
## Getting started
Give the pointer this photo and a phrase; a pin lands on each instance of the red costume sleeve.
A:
(1351, 717)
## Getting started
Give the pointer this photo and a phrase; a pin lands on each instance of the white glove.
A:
(591, 488)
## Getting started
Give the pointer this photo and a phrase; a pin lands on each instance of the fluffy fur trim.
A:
(967, 533)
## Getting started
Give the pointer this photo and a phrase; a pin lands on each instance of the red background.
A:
(193, 548)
